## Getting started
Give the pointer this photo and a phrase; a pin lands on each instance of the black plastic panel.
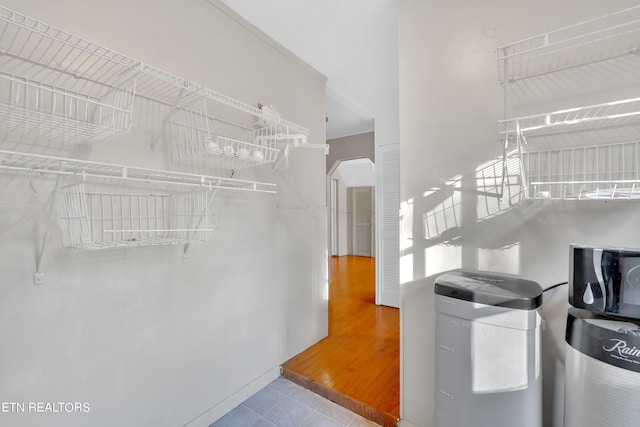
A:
(490, 289)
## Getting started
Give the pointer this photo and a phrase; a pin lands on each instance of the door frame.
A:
(334, 204)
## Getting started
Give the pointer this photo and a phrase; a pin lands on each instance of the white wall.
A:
(351, 147)
(450, 102)
(142, 337)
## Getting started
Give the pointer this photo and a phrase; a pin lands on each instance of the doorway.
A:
(363, 220)
(351, 191)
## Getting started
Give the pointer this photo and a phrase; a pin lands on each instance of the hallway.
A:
(358, 364)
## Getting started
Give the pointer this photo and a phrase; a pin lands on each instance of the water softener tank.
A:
(487, 351)
(602, 371)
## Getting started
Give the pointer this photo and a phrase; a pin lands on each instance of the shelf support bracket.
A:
(38, 277)
(202, 215)
(284, 158)
(505, 114)
(165, 121)
(520, 140)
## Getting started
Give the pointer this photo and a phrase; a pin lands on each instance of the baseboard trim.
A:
(220, 409)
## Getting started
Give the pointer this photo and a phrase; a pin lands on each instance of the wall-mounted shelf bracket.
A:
(284, 158)
(38, 277)
(205, 214)
(165, 121)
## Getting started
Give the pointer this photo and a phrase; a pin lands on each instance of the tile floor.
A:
(285, 404)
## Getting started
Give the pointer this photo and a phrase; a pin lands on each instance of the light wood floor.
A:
(358, 364)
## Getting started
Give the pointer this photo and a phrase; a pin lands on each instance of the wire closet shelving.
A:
(99, 219)
(91, 219)
(41, 164)
(199, 138)
(57, 85)
(61, 87)
(608, 170)
(594, 40)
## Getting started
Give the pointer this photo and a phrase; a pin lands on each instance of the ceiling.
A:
(354, 43)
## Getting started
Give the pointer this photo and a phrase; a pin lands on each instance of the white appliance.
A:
(487, 351)
(602, 371)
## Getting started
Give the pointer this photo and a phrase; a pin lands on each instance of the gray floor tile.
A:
(264, 423)
(285, 386)
(336, 412)
(285, 404)
(288, 413)
(264, 400)
(318, 420)
(359, 421)
(241, 416)
(307, 398)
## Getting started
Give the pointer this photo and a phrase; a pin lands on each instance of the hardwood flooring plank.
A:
(358, 364)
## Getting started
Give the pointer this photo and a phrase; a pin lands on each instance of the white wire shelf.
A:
(101, 220)
(34, 163)
(40, 110)
(608, 170)
(599, 172)
(603, 171)
(198, 138)
(586, 42)
(615, 113)
(41, 52)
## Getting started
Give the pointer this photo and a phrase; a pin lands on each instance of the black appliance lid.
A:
(612, 340)
(490, 289)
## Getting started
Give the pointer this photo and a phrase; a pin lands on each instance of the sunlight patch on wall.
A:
(496, 193)
(406, 268)
(445, 215)
(502, 260)
(440, 258)
(406, 225)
